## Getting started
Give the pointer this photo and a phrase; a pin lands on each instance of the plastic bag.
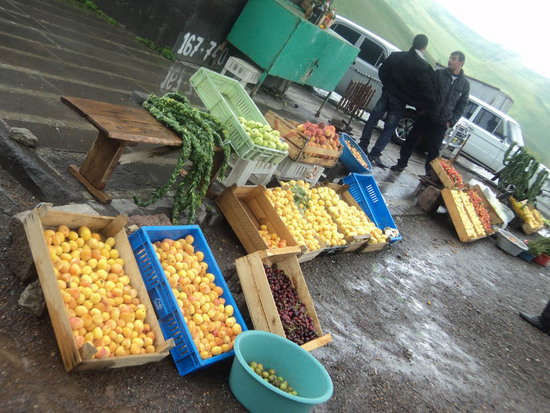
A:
(505, 213)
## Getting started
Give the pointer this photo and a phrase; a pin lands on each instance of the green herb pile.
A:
(301, 196)
(200, 133)
(539, 246)
(518, 172)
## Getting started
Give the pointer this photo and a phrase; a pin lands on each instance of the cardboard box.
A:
(259, 299)
(42, 218)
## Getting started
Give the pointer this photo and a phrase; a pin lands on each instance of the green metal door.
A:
(277, 38)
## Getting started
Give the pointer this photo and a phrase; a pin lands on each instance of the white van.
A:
(491, 133)
(373, 51)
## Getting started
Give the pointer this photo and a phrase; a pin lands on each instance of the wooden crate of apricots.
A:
(321, 221)
(257, 224)
(361, 233)
(313, 143)
(99, 307)
(278, 299)
(472, 215)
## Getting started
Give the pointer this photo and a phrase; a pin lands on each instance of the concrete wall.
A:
(195, 29)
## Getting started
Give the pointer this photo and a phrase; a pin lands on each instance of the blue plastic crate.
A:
(365, 191)
(172, 324)
(349, 159)
(524, 255)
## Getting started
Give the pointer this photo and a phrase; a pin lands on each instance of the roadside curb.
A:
(32, 172)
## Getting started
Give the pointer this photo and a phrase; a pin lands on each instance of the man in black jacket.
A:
(407, 78)
(454, 90)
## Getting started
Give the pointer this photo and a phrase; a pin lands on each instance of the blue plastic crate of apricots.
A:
(185, 353)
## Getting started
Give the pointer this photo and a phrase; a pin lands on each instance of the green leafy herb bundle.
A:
(200, 133)
(519, 170)
(539, 246)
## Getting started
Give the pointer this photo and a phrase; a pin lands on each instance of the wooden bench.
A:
(121, 126)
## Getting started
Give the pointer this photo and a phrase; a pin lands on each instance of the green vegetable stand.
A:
(275, 35)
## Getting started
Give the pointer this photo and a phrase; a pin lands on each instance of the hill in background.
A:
(398, 21)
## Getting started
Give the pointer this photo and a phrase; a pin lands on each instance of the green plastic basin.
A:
(302, 371)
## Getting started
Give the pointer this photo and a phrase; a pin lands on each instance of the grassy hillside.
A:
(398, 21)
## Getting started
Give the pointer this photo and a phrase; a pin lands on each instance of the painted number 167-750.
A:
(196, 46)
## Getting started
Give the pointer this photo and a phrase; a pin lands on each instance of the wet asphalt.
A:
(50, 49)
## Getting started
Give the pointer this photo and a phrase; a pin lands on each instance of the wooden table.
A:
(120, 126)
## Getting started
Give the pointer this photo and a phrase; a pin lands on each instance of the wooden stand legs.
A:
(98, 166)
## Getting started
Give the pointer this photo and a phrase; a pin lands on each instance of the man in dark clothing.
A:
(407, 79)
(542, 322)
(454, 90)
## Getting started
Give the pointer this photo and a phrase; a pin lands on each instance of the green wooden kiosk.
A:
(275, 35)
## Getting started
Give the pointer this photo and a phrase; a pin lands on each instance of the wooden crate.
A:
(42, 218)
(259, 299)
(359, 243)
(457, 220)
(246, 208)
(494, 217)
(441, 174)
(298, 148)
(455, 216)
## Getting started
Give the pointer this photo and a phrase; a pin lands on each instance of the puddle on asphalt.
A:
(412, 339)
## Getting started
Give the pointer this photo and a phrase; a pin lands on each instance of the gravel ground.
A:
(429, 324)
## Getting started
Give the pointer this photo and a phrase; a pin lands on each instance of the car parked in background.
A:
(491, 133)
(373, 51)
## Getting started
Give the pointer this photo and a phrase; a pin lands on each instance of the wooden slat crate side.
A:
(455, 216)
(288, 262)
(251, 295)
(258, 293)
(262, 209)
(441, 174)
(372, 247)
(52, 218)
(309, 255)
(248, 192)
(240, 221)
(356, 245)
(495, 218)
(52, 295)
(35, 224)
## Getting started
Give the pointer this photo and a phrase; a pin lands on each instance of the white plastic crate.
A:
(289, 169)
(243, 70)
(243, 170)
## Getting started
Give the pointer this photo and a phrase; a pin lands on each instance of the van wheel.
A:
(404, 126)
